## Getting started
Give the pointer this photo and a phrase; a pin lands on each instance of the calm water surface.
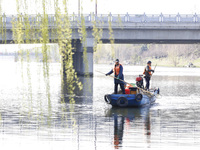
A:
(32, 114)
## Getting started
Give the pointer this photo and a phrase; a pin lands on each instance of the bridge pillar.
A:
(83, 68)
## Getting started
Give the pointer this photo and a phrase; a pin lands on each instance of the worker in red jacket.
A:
(119, 77)
(147, 74)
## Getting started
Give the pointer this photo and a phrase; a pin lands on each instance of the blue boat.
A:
(138, 99)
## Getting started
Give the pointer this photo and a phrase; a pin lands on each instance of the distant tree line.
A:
(138, 54)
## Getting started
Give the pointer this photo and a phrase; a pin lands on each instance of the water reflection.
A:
(72, 104)
(90, 123)
(128, 116)
(177, 85)
(83, 96)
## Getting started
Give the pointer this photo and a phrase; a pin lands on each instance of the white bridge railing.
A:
(135, 18)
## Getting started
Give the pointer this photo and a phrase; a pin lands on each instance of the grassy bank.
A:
(169, 63)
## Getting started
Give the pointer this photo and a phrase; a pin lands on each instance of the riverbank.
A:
(165, 62)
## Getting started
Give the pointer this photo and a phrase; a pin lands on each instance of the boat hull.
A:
(130, 100)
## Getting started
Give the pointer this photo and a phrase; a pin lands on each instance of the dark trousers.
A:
(121, 86)
(147, 79)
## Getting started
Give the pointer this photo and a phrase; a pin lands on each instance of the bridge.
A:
(126, 28)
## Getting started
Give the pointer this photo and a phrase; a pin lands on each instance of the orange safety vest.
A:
(116, 69)
(149, 72)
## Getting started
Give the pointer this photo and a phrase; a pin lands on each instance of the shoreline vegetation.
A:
(168, 55)
(104, 54)
(162, 63)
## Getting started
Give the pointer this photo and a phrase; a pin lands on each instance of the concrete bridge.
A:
(127, 28)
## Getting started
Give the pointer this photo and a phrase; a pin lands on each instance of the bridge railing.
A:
(132, 18)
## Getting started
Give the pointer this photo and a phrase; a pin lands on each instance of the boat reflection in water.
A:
(129, 117)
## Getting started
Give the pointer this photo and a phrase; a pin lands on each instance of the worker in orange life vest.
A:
(118, 74)
(147, 73)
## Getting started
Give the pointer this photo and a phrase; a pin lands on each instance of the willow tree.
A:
(97, 31)
(64, 36)
(111, 36)
(2, 26)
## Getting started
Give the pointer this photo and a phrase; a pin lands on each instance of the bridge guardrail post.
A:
(22, 17)
(110, 17)
(144, 18)
(73, 17)
(178, 18)
(94, 17)
(127, 17)
(89, 18)
(4, 18)
(195, 18)
(161, 18)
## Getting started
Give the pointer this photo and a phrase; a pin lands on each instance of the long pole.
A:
(79, 8)
(95, 7)
(154, 69)
(127, 83)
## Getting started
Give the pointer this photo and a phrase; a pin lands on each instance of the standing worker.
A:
(147, 73)
(118, 74)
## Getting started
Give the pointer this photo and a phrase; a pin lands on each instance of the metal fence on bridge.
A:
(132, 18)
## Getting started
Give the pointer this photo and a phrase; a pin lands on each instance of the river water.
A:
(33, 116)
